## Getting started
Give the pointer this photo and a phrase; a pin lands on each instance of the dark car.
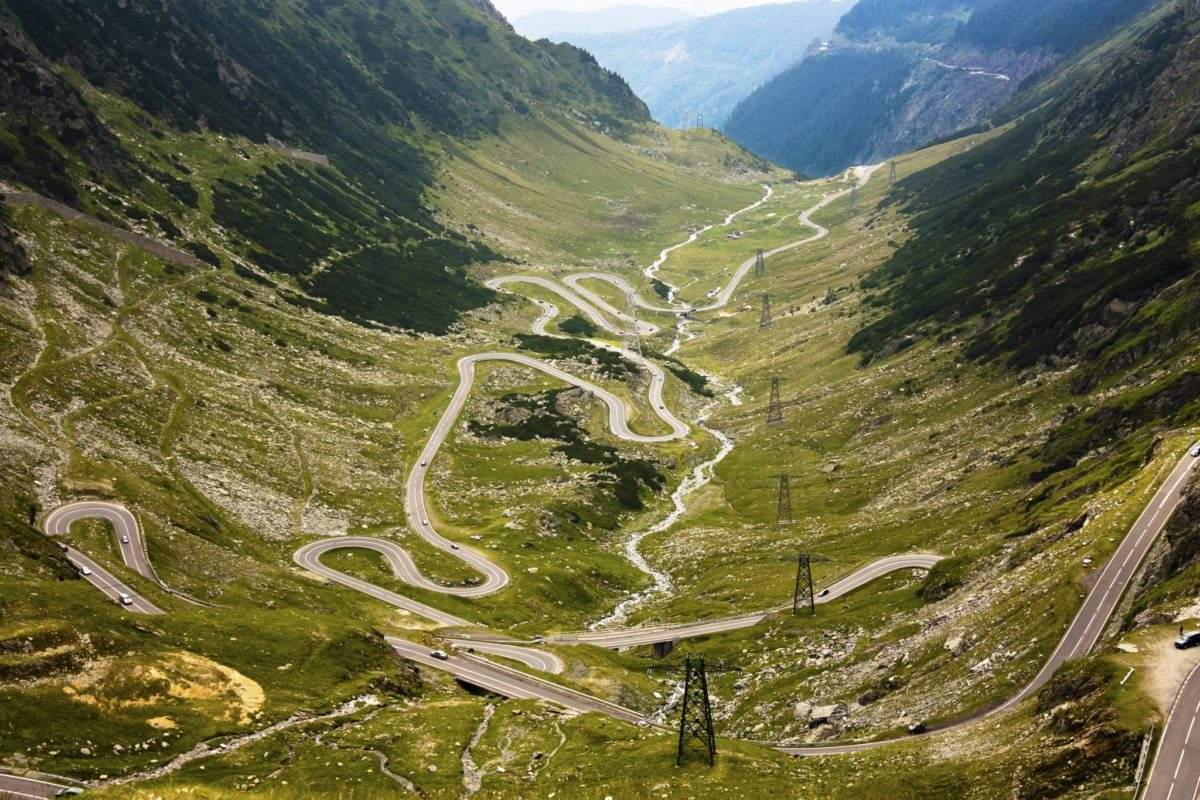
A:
(1188, 640)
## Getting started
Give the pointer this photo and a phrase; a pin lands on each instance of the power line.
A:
(774, 405)
(783, 512)
(695, 717)
(804, 585)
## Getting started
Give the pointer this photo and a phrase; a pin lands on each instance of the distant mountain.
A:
(1070, 239)
(564, 25)
(708, 65)
(898, 74)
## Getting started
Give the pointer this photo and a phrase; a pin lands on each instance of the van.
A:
(126, 600)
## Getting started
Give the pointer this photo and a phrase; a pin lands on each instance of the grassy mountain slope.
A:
(268, 191)
(1105, 155)
(706, 66)
(897, 76)
(355, 88)
(239, 419)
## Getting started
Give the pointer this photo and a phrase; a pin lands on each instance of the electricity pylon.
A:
(695, 716)
(633, 336)
(764, 321)
(783, 513)
(775, 405)
(853, 197)
(891, 170)
(804, 585)
(760, 265)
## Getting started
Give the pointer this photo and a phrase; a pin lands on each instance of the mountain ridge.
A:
(926, 68)
(704, 67)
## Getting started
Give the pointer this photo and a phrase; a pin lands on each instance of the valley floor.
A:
(238, 429)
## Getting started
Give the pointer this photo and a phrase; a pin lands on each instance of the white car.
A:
(425, 462)
(84, 571)
(126, 600)
(124, 540)
(1196, 450)
(440, 655)
(453, 546)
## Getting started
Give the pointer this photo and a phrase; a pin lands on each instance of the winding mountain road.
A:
(32, 785)
(129, 540)
(650, 634)
(1080, 637)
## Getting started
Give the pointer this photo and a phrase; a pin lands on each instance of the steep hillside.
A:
(1106, 154)
(356, 89)
(896, 76)
(701, 69)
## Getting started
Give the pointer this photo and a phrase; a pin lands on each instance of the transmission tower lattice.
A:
(695, 717)
(803, 594)
(853, 197)
(760, 265)
(891, 170)
(783, 513)
(633, 336)
(764, 321)
(775, 405)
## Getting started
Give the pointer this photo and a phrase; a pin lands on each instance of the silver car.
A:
(1196, 450)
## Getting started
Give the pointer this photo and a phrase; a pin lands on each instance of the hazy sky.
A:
(515, 8)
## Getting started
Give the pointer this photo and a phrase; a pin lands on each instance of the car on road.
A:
(1188, 640)
(425, 462)
(440, 655)
(1196, 450)
(68, 791)
(822, 593)
(124, 540)
(84, 571)
(453, 546)
(917, 727)
(126, 600)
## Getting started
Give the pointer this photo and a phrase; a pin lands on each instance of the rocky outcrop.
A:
(1182, 537)
(13, 260)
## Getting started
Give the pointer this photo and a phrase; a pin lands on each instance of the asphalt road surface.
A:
(125, 528)
(1098, 606)
(511, 683)
(529, 656)
(1175, 774)
(38, 787)
(1080, 637)
(650, 634)
(129, 539)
